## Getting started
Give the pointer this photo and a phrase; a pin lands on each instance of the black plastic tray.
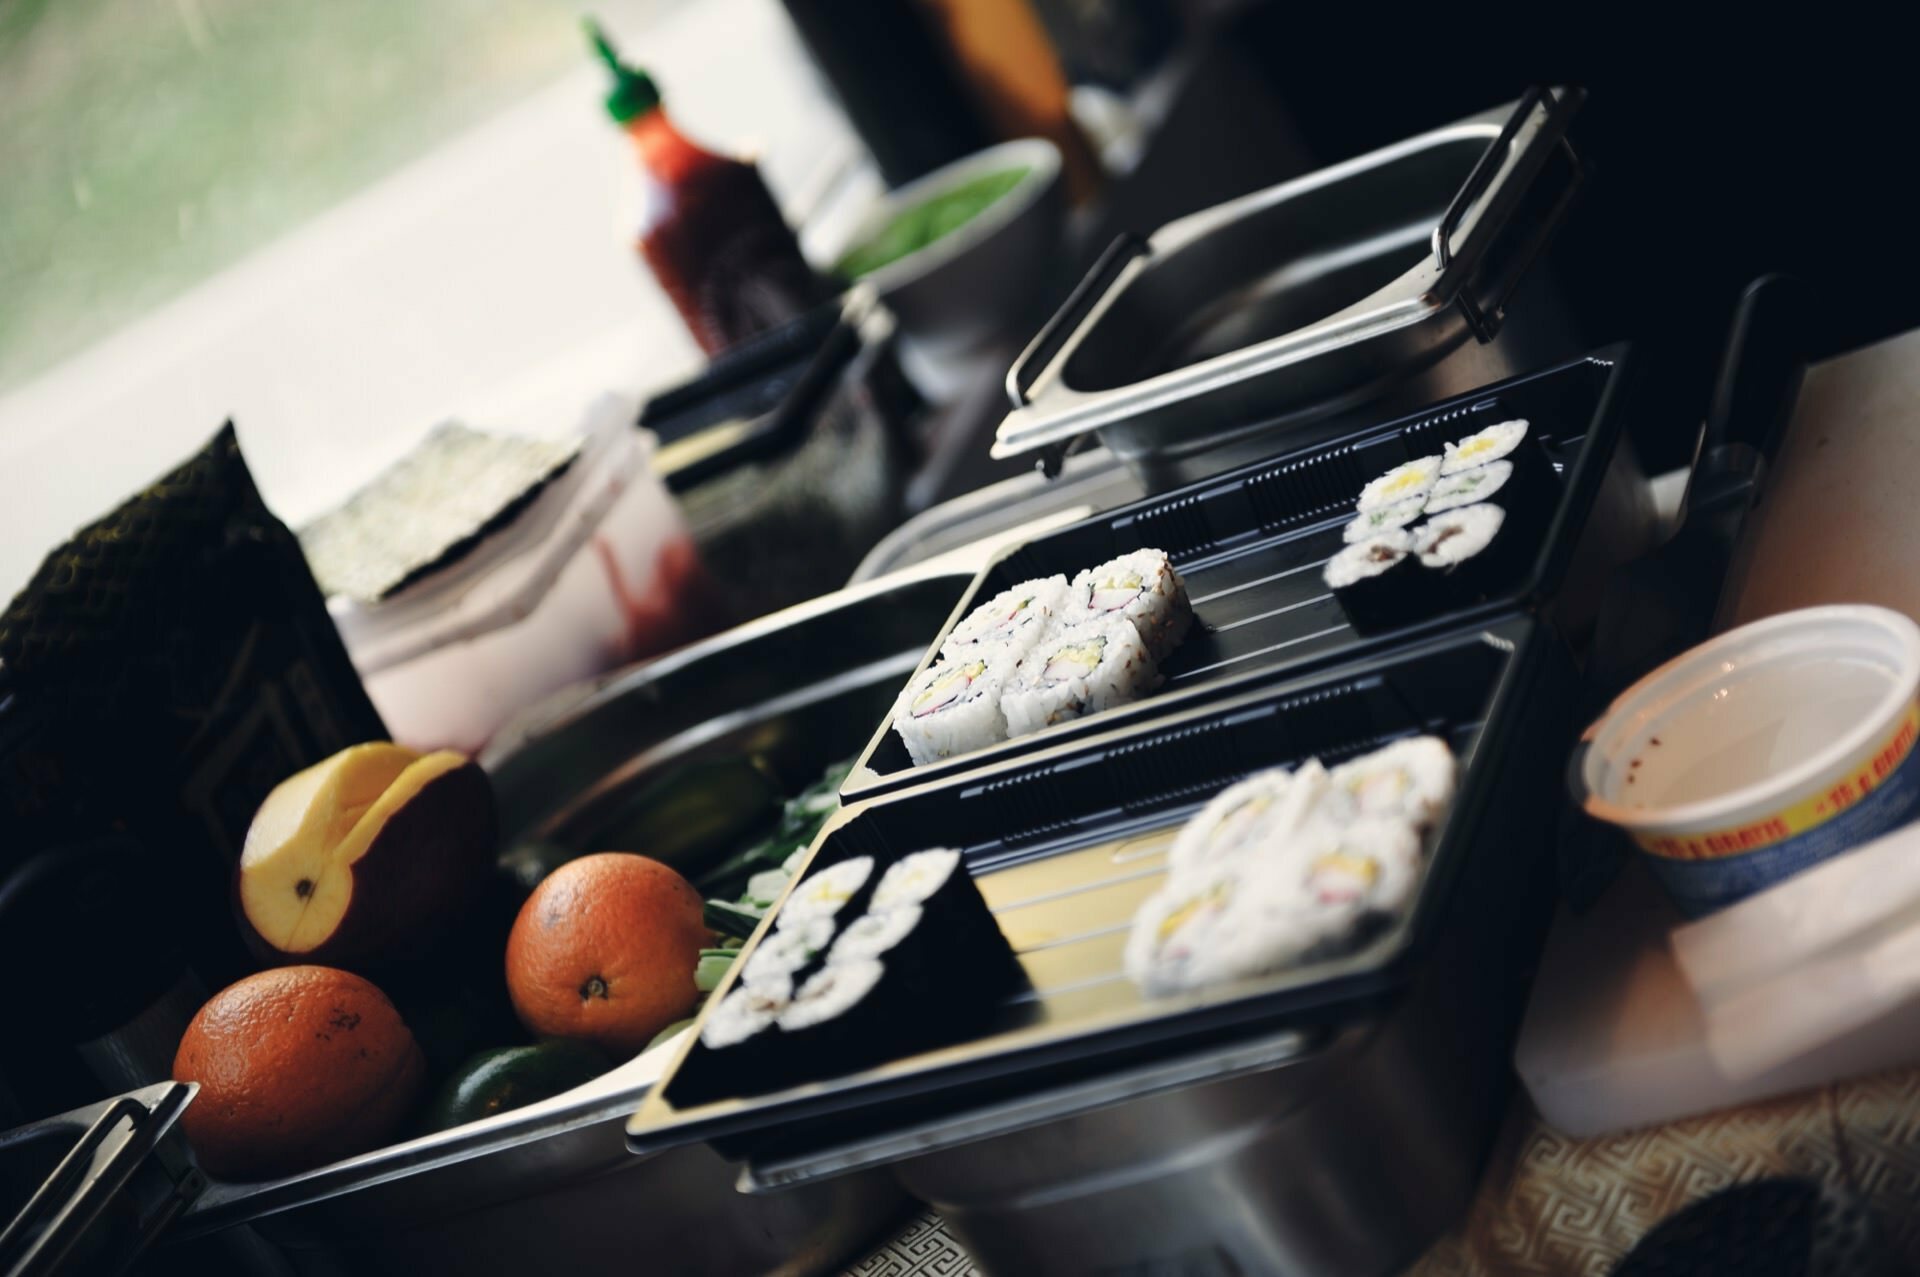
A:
(1250, 544)
(1062, 844)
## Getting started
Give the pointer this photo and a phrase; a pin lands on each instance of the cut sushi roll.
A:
(739, 1049)
(953, 707)
(1177, 933)
(1469, 487)
(1378, 583)
(1410, 780)
(785, 953)
(1079, 670)
(1143, 588)
(1490, 444)
(849, 1016)
(874, 935)
(1384, 519)
(1248, 819)
(1012, 621)
(1402, 483)
(825, 894)
(1523, 482)
(1472, 551)
(958, 938)
(1375, 866)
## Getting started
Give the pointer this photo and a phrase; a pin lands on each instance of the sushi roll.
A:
(1078, 670)
(1490, 444)
(1174, 942)
(1471, 552)
(826, 894)
(958, 933)
(953, 707)
(1384, 519)
(1410, 780)
(1378, 582)
(1402, 483)
(849, 1016)
(1375, 866)
(787, 953)
(1011, 621)
(1249, 819)
(738, 1051)
(1143, 588)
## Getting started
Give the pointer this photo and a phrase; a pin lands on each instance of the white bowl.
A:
(1761, 752)
(973, 282)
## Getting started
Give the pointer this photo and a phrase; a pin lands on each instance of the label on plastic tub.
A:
(1707, 869)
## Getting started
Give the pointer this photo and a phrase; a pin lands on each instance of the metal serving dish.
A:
(1383, 280)
(1066, 844)
(1250, 545)
(553, 1187)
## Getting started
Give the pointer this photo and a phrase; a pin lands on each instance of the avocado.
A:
(512, 1077)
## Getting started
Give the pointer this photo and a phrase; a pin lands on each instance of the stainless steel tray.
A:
(1065, 845)
(1296, 303)
(553, 1185)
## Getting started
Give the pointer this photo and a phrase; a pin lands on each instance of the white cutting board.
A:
(1614, 1037)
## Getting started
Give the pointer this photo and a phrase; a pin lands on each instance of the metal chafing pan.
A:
(1383, 280)
(552, 1186)
(1066, 844)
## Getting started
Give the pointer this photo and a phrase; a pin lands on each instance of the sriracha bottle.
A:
(709, 229)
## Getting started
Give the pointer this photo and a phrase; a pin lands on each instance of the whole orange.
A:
(298, 1066)
(604, 951)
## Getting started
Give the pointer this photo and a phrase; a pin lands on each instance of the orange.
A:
(298, 1067)
(604, 951)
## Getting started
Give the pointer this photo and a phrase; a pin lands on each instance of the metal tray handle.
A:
(1484, 320)
(1048, 342)
(1074, 1099)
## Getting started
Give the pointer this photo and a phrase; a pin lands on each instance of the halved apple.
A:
(367, 857)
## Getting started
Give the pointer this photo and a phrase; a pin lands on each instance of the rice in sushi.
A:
(957, 937)
(1377, 582)
(1469, 487)
(1402, 483)
(785, 953)
(738, 1051)
(1078, 670)
(953, 706)
(1012, 621)
(1490, 444)
(1142, 587)
(1248, 817)
(1471, 551)
(1410, 780)
(1384, 519)
(826, 893)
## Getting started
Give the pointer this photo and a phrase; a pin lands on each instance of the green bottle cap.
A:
(634, 92)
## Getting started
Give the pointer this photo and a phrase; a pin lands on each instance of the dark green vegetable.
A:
(926, 222)
(730, 920)
(694, 812)
(512, 1077)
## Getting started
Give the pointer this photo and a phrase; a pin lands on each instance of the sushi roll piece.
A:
(851, 1015)
(788, 952)
(1384, 519)
(1011, 621)
(1375, 865)
(956, 919)
(1079, 670)
(1523, 483)
(1143, 588)
(1410, 780)
(827, 894)
(1482, 446)
(953, 707)
(1251, 818)
(1402, 483)
(1176, 935)
(1378, 582)
(1471, 552)
(738, 1051)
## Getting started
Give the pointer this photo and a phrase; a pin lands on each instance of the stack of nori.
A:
(162, 671)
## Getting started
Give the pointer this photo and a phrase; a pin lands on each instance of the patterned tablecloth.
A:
(1550, 1206)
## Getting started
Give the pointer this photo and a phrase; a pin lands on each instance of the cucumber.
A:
(693, 814)
(511, 1077)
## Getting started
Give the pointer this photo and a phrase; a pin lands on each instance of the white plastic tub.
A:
(1761, 752)
(598, 571)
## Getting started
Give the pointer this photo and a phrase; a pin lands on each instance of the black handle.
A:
(1484, 320)
(1053, 337)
